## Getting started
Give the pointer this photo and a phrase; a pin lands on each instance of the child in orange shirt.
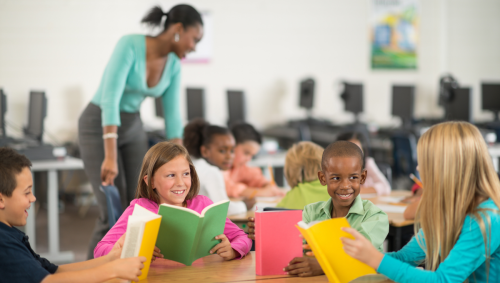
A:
(242, 180)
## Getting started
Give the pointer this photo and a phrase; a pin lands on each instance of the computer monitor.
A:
(306, 99)
(195, 103)
(403, 100)
(490, 93)
(36, 115)
(353, 98)
(3, 110)
(459, 107)
(236, 106)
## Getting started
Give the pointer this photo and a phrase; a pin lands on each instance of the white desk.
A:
(495, 154)
(52, 166)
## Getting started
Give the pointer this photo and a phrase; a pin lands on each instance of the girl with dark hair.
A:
(242, 180)
(375, 181)
(212, 150)
(112, 140)
(168, 176)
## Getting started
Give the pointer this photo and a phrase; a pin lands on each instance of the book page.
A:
(131, 237)
(143, 213)
(212, 205)
(213, 224)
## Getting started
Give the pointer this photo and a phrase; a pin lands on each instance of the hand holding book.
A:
(224, 248)
(361, 249)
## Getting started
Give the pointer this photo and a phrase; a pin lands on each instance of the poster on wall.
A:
(394, 34)
(203, 52)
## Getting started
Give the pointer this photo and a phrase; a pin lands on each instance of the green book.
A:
(185, 235)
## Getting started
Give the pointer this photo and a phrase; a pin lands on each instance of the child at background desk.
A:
(168, 176)
(18, 262)
(375, 182)
(212, 150)
(242, 180)
(457, 222)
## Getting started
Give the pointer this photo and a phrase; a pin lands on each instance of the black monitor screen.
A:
(36, 115)
(403, 98)
(353, 97)
(236, 106)
(159, 107)
(460, 106)
(195, 103)
(307, 93)
(3, 110)
(490, 93)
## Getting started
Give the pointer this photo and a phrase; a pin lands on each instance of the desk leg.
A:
(53, 206)
(30, 222)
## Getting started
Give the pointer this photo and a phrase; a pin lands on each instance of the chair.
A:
(404, 153)
(114, 204)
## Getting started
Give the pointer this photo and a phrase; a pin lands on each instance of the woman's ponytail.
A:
(153, 17)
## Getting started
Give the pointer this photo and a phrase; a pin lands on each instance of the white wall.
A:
(263, 47)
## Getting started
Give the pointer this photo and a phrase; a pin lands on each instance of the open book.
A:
(140, 238)
(324, 239)
(185, 235)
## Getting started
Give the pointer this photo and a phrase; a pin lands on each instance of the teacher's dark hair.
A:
(199, 132)
(184, 14)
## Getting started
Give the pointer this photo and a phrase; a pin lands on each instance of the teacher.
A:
(112, 140)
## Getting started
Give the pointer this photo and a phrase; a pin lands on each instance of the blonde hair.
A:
(457, 174)
(302, 163)
(157, 156)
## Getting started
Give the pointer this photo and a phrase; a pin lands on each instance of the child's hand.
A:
(304, 266)
(251, 228)
(116, 251)
(224, 249)
(128, 268)
(156, 253)
(361, 249)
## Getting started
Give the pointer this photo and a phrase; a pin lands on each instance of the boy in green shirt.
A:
(342, 172)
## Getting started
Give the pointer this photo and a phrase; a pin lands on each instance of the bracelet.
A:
(110, 136)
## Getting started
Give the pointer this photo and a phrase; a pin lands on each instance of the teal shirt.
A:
(123, 86)
(304, 194)
(364, 216)
(465, 261)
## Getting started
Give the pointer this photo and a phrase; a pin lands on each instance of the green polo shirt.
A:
(363, 216)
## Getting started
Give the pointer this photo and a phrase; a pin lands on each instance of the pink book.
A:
(277, 240)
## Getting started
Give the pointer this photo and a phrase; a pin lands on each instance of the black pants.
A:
(132, 146)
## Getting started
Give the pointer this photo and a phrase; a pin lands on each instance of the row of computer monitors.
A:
(457, 102)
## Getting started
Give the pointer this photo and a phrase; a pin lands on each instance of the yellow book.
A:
(140, 238)
(324, 239)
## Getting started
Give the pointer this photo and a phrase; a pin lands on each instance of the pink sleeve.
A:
(109, 240)
(238, 238)
(378, 180)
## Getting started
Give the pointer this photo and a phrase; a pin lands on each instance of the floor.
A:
(75, 231)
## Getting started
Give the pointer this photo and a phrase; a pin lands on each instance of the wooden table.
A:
(213, 269)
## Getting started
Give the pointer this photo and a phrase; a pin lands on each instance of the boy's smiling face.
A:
(14, 209)
(343, 177)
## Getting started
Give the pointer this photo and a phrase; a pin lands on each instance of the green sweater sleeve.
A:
(466, 257)
(170, 101)
(114, 80)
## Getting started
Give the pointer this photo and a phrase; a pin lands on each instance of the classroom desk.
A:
(52, 167)
(213, 269)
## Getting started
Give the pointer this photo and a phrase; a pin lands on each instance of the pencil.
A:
(416, 180)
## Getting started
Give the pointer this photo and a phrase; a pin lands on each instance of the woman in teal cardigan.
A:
(112, 140)
(457, 222)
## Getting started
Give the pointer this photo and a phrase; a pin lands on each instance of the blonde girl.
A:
(457, 222)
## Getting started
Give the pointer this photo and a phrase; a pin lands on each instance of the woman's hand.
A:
(109, 171)
(224, 248)
(251, 228)
(361, 249)
(304, 266)
(127, 268)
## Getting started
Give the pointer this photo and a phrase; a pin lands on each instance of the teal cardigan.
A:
(466, 259)
(123, 86)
